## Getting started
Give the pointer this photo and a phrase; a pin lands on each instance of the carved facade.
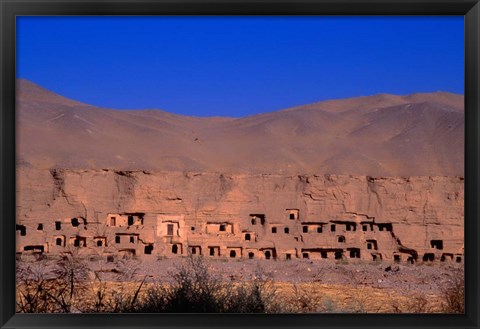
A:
(162, 235)
(108, 214)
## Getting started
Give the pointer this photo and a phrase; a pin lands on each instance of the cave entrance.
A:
(214, 251)
(354, 253)
(254, 217)
(174, 249)
(36, 248)
(436, 244)
(372, 244)
(22, 229)
(429, 257)
(148, 249)
(130, 220)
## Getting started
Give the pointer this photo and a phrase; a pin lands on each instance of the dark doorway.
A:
(428, 257)
(354, 253)
(148, 249)
(437, 244)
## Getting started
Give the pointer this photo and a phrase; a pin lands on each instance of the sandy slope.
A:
(381, 135)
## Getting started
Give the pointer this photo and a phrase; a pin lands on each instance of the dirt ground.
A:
(325, 286)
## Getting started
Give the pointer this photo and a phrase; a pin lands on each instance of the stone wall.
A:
(108, 214)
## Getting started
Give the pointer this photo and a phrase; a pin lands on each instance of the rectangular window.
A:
(170, 229)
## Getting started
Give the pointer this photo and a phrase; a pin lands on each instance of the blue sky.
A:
(238, 66)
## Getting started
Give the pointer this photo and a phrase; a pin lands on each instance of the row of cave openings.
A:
(327, 253)
(75, 222)
(293, 214)
(232, 252)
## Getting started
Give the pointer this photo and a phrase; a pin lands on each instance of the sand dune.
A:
(381, 135)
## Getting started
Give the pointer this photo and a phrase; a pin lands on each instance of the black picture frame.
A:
(9, 9)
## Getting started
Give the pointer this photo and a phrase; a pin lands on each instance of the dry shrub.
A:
(453, 293)
(43, 287)
(196, 290)
(416, 304)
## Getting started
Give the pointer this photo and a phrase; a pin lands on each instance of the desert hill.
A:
(381, 135)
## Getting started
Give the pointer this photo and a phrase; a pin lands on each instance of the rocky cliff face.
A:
(148, 214)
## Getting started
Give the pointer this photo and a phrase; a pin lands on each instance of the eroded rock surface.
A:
(110, 214)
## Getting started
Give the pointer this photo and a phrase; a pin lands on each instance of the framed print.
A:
(228, 164)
